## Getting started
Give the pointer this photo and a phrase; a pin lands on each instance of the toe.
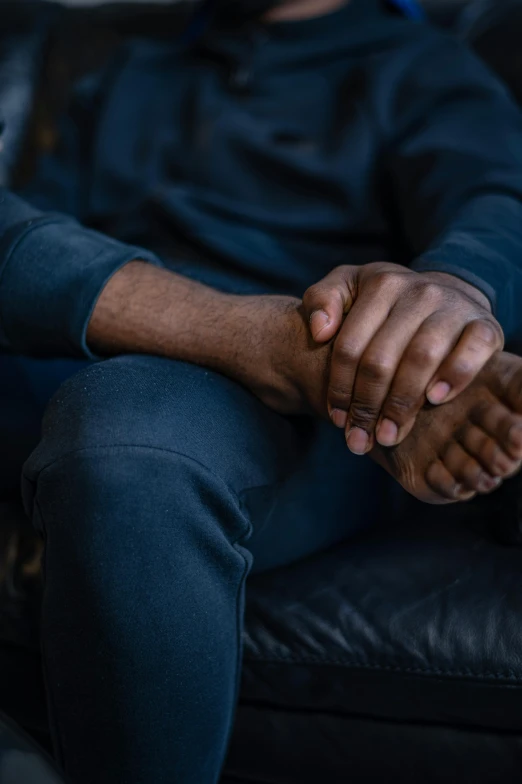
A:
(467, 471)
(502, 425)
(512, 382)
(485, 450)
(439, 479)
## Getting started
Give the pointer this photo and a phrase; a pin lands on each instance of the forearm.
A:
(145, 309)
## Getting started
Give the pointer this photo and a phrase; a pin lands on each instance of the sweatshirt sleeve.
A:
(52, 271)
(456, 169)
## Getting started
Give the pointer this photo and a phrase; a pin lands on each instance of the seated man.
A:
(228, 174)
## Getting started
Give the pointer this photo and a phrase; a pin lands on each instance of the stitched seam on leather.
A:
(353, 663)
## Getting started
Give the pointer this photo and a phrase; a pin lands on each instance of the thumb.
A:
(326, 303)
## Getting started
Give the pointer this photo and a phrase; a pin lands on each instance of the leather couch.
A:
(396, 657)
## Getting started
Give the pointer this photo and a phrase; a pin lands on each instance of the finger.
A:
(439, 479)
(364, 319)
(467, 471)
(487, 452)
(478, 342)
(326, 302)
(432, 342)
(376, 371)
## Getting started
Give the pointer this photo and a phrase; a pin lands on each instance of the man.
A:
(308, 142)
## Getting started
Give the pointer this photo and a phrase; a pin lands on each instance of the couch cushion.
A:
(420, 623)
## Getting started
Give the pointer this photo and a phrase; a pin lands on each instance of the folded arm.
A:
(453, 163)
(69, 291)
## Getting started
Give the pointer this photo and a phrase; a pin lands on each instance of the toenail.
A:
(460, 493)
(358, 441)
(487, 483)
(387, 433)
(438, 393)
(339, 418)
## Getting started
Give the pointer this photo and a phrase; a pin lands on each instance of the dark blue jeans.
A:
(158, 486)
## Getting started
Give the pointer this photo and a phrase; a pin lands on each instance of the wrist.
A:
(271, 356)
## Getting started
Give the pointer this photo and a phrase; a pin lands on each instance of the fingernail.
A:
(358, 441)
(438, 393)
(339, 418)
(387, 433)
(318, 321)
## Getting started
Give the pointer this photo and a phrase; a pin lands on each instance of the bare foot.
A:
(465, 447)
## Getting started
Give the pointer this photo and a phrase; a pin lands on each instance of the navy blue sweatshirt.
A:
(272, 155)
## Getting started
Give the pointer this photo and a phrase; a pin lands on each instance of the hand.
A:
(406, 336)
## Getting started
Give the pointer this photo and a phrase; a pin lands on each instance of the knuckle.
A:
(382, 281)
(462, 369)
(339, 393)
(363, 414)
(316, 292)
(423, 352)
(430, 292)
(487, 334)
(346, 353)
(309, 297)
(340, 292)
(377, 367)
(400, 406)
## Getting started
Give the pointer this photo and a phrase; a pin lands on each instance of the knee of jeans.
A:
(141, 402)
(133, 400)
(127, 437)
(107, 498)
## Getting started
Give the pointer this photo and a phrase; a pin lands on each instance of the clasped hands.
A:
(401, 339)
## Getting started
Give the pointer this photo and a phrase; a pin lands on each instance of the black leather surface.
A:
(419, 623)
(288, 747)
(396, 657)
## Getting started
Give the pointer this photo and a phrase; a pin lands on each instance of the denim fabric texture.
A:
(158, 486)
